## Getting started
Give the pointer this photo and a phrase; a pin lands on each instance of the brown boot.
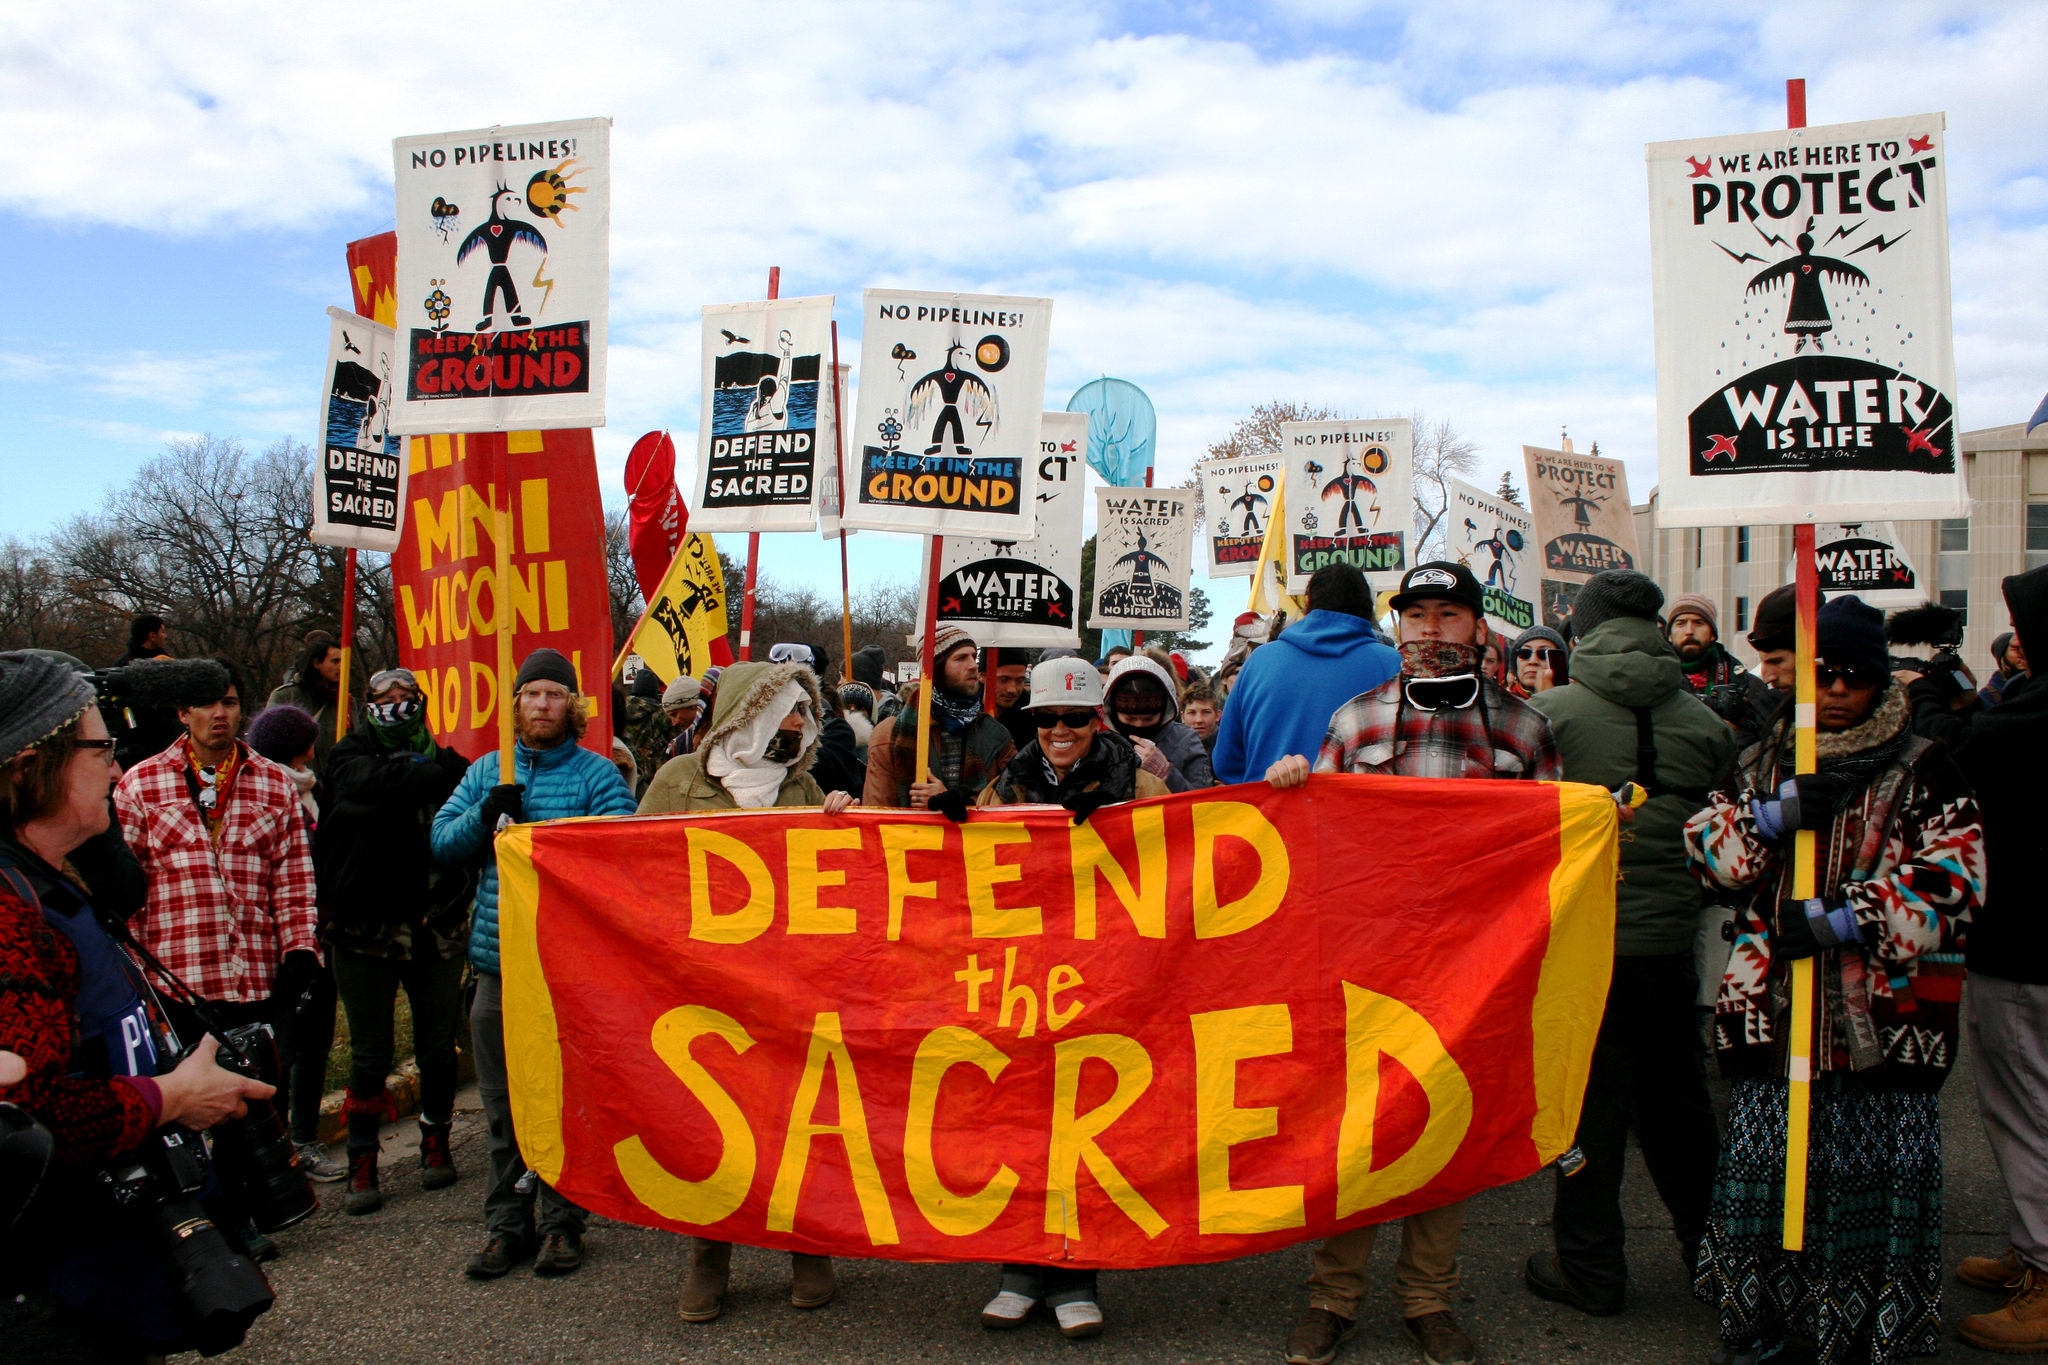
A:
(704, 1292)
(1995, 1273)
(811, 1283)
(2018, 1329)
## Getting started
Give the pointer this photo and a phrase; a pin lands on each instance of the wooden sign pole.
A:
(753, 537)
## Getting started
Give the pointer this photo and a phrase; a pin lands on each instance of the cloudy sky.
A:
(1375, 207)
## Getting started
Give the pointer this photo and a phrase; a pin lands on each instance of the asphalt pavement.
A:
(388, 1288)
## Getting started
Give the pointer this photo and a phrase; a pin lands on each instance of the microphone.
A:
(167, 683)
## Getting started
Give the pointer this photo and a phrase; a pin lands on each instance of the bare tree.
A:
(214, 540)
(1441, 454)
(627, 601)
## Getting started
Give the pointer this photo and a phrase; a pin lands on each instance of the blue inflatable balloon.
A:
(1122, 429)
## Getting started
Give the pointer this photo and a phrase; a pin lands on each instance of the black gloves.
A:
(508, 800)
(1086, 803)
(1808, 927)
(951, 803)
(1807, 801)
(297, 972)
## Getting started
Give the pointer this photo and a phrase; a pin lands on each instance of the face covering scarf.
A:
(740, 758)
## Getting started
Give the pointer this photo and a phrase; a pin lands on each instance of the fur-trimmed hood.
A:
(745, 690)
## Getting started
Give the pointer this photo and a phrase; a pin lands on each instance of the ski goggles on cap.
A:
(387, 677)
(791, 654)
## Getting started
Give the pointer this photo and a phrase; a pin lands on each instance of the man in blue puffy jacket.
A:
(1283, 699)
(554, 778)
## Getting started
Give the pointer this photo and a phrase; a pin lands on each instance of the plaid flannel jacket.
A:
(1500, 736)
(221, 917)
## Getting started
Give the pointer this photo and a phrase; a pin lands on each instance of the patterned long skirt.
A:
(1867, 1288)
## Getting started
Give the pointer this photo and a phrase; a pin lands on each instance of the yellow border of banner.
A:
(1577, 964)
(533, 1042)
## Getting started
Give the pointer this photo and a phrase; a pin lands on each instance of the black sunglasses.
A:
(1073, 720)
(1824, 676)
(1529, 652)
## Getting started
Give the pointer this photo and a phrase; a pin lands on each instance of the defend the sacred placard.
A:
(504, 271)
(951, 390)
(359, 472)
(1805, 369)
(1144, 545)
(1239, 497)
(1024, 593)
(1350, 496)
(760, 438)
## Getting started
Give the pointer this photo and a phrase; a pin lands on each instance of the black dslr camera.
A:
(220, 1291)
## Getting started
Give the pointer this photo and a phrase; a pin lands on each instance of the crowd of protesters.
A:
(279, 869)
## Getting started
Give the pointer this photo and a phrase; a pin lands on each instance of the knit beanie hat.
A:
(1776, 625)
(1698, 604)
(1544, 633)
(281, 733)
(546, 665)
(38, 697)
(948, 639)
(647, 684)
(1617, 592)
(684, 691)
(867, 665)
(1851, 635)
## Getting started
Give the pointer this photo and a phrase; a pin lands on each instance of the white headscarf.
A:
(737, 758)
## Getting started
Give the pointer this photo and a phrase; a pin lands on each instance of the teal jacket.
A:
(1622, 664)
(560, 782)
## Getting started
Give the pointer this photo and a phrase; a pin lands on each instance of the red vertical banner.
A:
(449, 602)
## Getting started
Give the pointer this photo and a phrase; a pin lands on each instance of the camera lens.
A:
(220, 1291)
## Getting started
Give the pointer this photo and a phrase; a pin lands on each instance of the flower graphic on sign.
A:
(438, 306)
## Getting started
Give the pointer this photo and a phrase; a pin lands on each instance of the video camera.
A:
(159, 684)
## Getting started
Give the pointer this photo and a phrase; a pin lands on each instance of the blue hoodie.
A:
(1283, 699)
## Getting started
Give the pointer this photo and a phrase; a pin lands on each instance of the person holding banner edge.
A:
(555, 778)
(1431, 719)
(1901, 853)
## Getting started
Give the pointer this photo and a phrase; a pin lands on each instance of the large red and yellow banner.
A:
(444, 573)
(1191, 1029)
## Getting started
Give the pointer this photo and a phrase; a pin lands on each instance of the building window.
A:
(1742, 603)
(1742, 547)
(1699, 547)
(1953, 569)
(1959, 598)
(1955, 535)
(2037, 534)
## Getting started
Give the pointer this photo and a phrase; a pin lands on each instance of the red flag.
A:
(657, 519)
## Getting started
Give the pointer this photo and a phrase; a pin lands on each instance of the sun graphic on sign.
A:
(1375, 460)
(1265, 483)
(992, 353)
(547, 193)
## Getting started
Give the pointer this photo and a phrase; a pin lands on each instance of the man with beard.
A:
(1013, 688)
(1714, 675)
(1436, 718)
(553, 778)
(966, 746)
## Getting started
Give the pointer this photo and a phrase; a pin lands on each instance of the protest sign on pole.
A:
(760, 442)
(1497, 541)
(1864, 559)
(1583, 522)
(1805, 367)
(1144, 548)
(1240, 494)
(831, 500)
(1023, 594)
(504, 273)
(359, 468)
(951, 390)
(1350, 495)
(1243, 1033)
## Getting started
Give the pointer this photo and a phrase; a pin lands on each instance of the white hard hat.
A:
(1066, 682)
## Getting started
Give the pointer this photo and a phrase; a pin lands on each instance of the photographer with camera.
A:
(93, 1093)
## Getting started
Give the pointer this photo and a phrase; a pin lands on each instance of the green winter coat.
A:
(1622, 664)
(683, 784)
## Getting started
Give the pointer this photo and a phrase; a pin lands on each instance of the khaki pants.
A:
(1425, 1273)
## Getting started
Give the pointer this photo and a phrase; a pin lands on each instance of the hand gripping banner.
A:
(1191, 1029)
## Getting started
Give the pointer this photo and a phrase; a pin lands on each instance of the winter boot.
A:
(363, 1194)
(811, 1282)
(704, 1292)
(2019, 1328)
(437, 1163)
(1995, 1273)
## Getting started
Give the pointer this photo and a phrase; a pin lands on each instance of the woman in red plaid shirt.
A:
(1441, 716)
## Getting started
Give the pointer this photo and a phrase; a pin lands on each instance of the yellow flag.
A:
(1269, 575)
(687, 613)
